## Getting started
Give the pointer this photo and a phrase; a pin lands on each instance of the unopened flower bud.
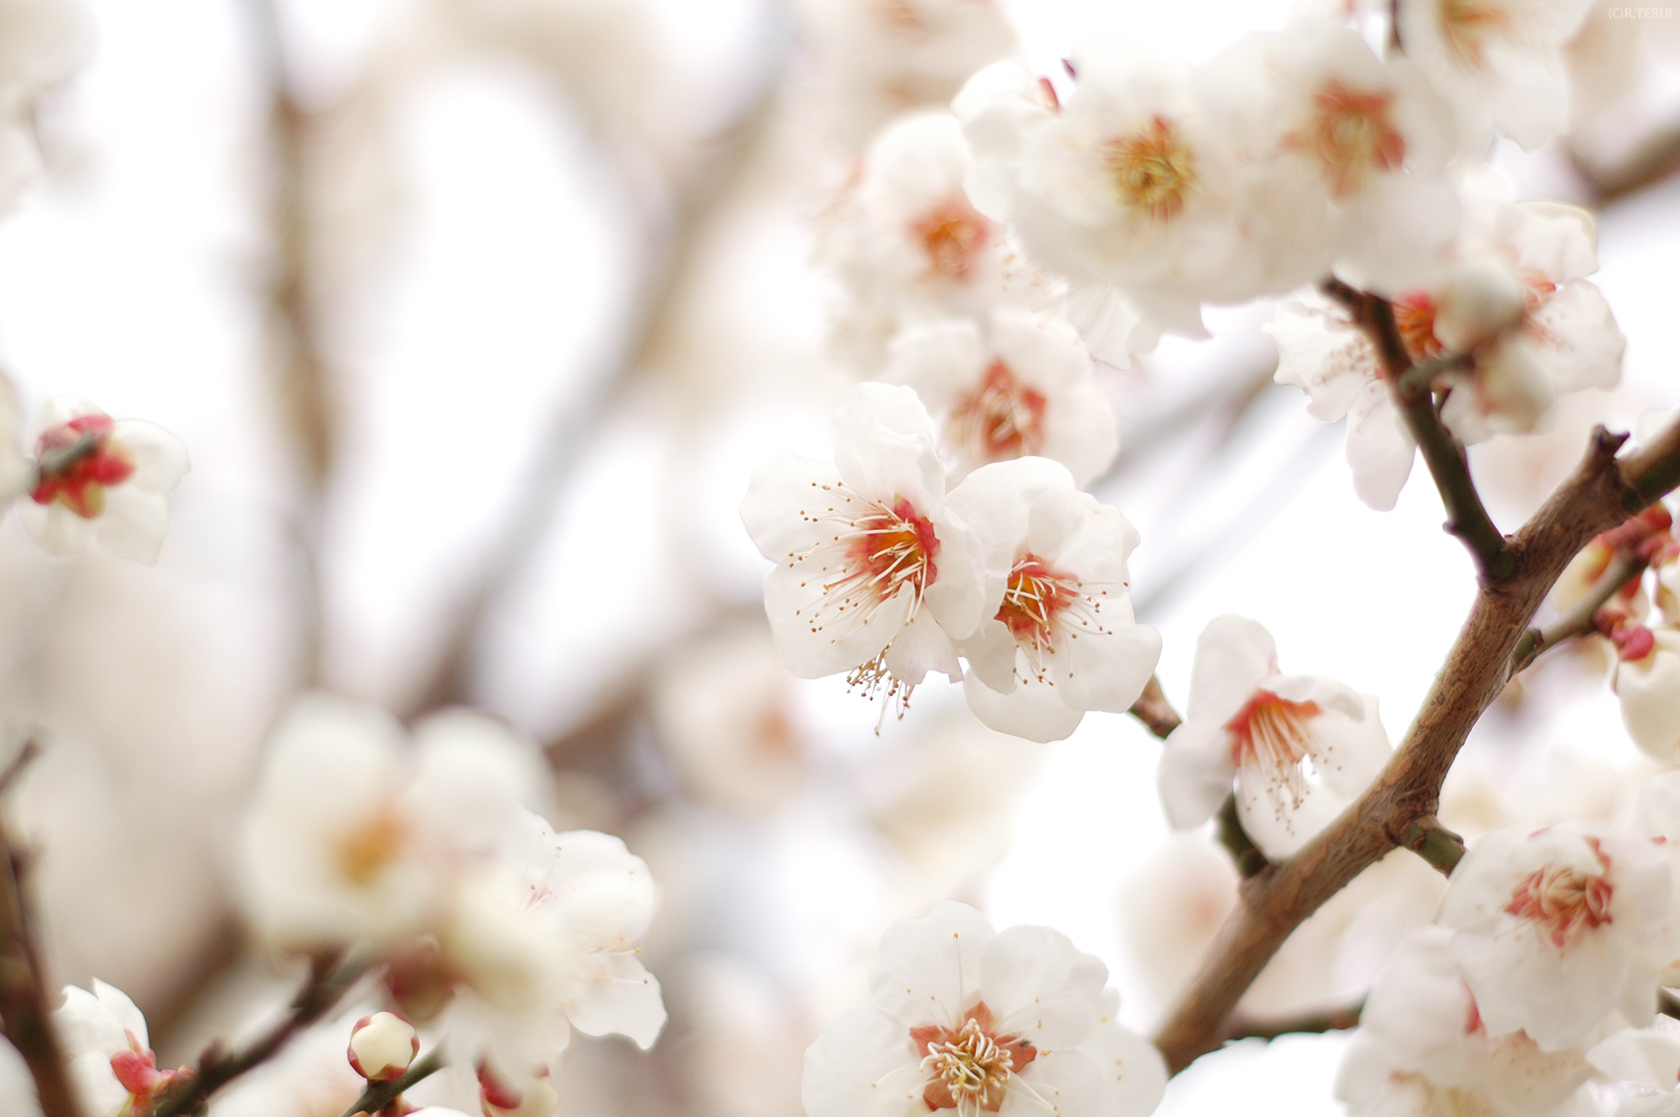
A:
(382, 1046)
(1482, 300)
(500, 1096)
(1648, 687)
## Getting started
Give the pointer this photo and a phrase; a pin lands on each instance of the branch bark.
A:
(380, 1094)
(1307, 1023)
(25, 1000)
(1153, 709)
(1601, 494)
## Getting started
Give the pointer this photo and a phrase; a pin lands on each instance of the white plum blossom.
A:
(907, 246)
(1016, 385)
(546, 943)
(1647, 686)
(873, 576)
(1518, 311)
(100, 481)
(382, 1045)
(1061, 639)
(1499, 63)
(1348, 152)
(1422, 1037)
(42, 44)
(109, 1051)
(501, 1095)
(1246, 722)
(1643, 1057)
(1131, 191)
(354, 832)
(978, 1021)
(1556, 930)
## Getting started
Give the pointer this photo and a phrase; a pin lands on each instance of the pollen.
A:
(968, 1068)
(1001, 419)
(952, 235)
(1351, 135)
(1153, 170)
(77, 463)
(1564, 901)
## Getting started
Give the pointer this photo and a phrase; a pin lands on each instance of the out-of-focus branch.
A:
(303, 380)
(561, 445)
(25, 1009)
(1467, 518)
(1602, 493)
(1656, 159)
(1249, 859)
(1307, 1023)
(380, 1094)
(330, 979)
(1578, 621)
(1153, 709)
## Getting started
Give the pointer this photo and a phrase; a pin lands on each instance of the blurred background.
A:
(476, 316)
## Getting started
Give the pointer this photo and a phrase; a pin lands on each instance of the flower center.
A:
(1000, 419)
(76, 461)
(952, 235)
(1466, 25)
(1272, 735)
(1414, 316)
(1152, 169)
(1350, 135)
(1564, 900)
(969, 1067)
(1034, 595)
(136, 1070)
(369, 847)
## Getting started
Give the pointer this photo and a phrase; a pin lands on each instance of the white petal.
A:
(1065, 1083)
(621, 998)
(1031, 710)
(1197, 772)
(863, 1065)
(1643, 1055)
(1134, 1069)
(1233, 656)
(1041, 987)
(927, 970)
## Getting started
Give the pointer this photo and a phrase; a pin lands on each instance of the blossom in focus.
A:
(1514, 305)
(1556, 930)
(1499, 63)
(873, 575)
(111, 1060)
(100, 481)
(356, 833)
(1016, 385)
(1299, 748)
(42, 43)
(1421, 1034)
(975, 1020)
(1061, 639)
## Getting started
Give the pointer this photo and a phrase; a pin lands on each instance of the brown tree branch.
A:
(1578, 621)
(1600, 494)
(1307, 1023)
(25, 1001)
(1467, 518)
(330, 979)
(1153, 709)
(1433, 842)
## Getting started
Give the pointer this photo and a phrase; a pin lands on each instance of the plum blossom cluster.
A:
(883, 573)
(1540, 976)
(485, 926)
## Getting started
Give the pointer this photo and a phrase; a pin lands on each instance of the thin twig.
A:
(1153, 709)
(1433, 842)
(1250, 860)
(330, 979)
(30, 749)
(1467, 517)
(1578, 621)
(1601, 493)
(24, 1004)
(380, 1094)
(1307, 1023)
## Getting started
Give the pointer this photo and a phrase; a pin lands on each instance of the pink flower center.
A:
(77, 461)
(1034, 595)
(1563, 900)
(1000, 419)
(1270, 737)
(1414, 315)
(952, 235)
(1351, 135)
(1153, 169)
(968, 1067)
(365, 850)
(136, 1071)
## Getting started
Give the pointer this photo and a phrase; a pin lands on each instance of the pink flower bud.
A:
(502, 1096)
(382, 1046)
